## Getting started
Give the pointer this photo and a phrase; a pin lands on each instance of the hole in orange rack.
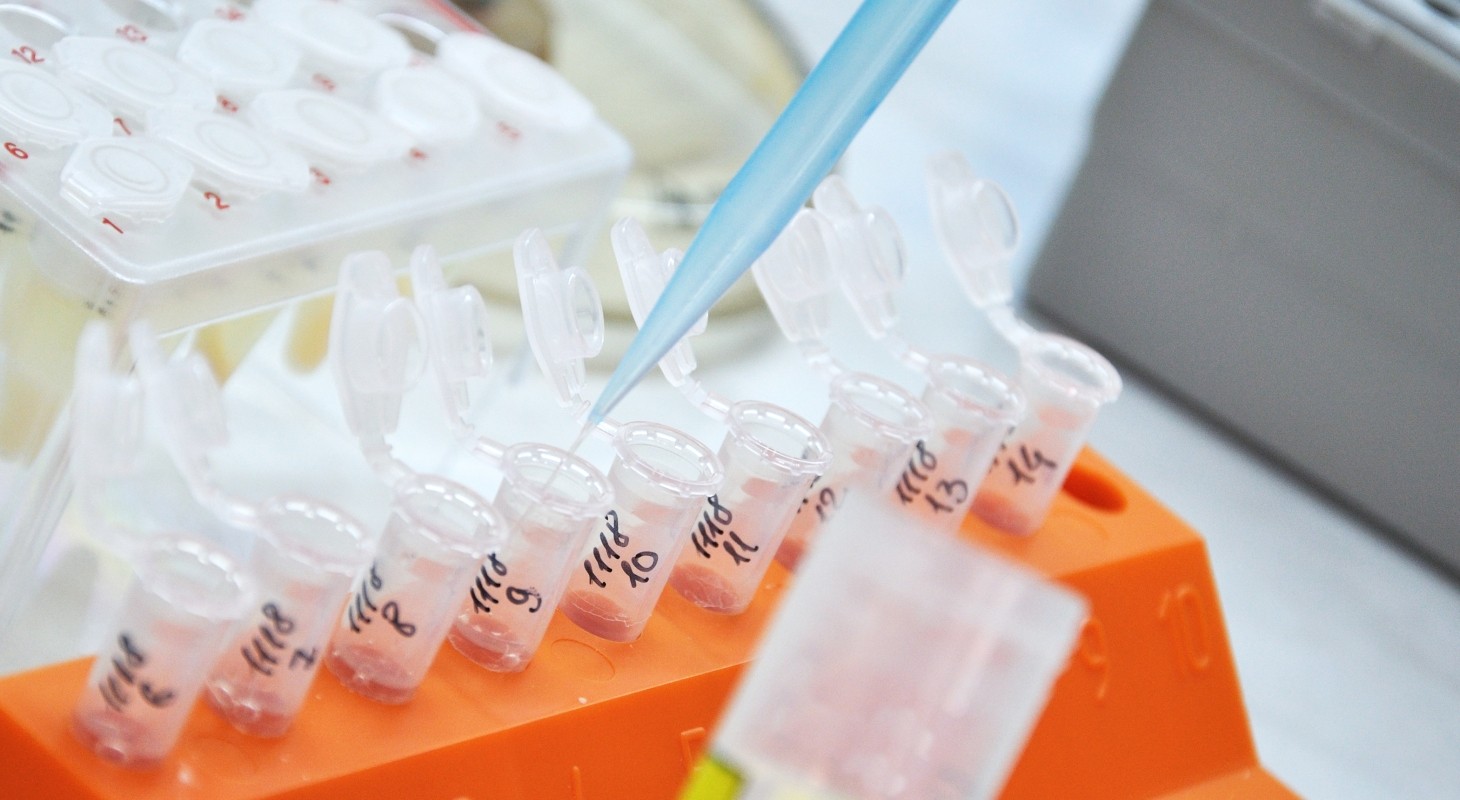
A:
(1094, 490)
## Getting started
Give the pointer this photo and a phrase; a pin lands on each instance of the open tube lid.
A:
(185, 398)
(871, 259)
(377, 345)
(562, 313)
(457, 331)
(645, 272)
(141, 442)
(796, 276)
(976, 226)
(106, 409)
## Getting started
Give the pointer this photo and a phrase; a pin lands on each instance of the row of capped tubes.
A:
(141, 90)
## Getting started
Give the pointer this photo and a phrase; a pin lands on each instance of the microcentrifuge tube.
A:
(769, 454)
(552, 500)
(659, 476)
(402, 605)
(660, 479)
(871, 426)
(183, 600)
(973, 409)
(303, 562)
(1066, 383)
(902, 664)
(770, 457)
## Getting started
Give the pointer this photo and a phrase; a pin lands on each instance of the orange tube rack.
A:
(1148, 707)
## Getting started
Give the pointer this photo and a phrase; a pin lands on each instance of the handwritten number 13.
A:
(956, 491)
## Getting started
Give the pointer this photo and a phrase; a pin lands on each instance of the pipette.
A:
(1065, 381)
(770, 456)
(863, 63)
(660, 476)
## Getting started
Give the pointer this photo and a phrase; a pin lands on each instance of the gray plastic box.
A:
(1267, 223)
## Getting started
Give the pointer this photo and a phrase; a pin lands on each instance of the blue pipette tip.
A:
(844, 88)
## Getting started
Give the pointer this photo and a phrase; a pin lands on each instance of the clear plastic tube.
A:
(770, 457)
(303, 563)
(1066, 383)
(902, 664)
(402, 605)
(659, 475)
(660, 479)
(183, 600)
(871, 426)
(552, 499)
(973, 409)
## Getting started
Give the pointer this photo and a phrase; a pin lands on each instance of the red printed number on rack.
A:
(217, 201)
(27, 54)
(14, 149)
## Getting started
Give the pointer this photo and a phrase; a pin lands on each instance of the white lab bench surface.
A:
(1348, 648)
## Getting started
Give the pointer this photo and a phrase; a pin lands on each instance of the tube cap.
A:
(795, 276)
(238, 55)
(562, 313)
(106, 409)
(329, 131)
(872, 262)
(133, 178)
(976, 226)
(459, 345)
(132, 78)
(376, 345)
(513, 83)
(38, 107)
(335, 36)
(428, 103)
(645, 271)
(228, 155)
(186, 397)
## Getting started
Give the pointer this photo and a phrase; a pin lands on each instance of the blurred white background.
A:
(1348, 649)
